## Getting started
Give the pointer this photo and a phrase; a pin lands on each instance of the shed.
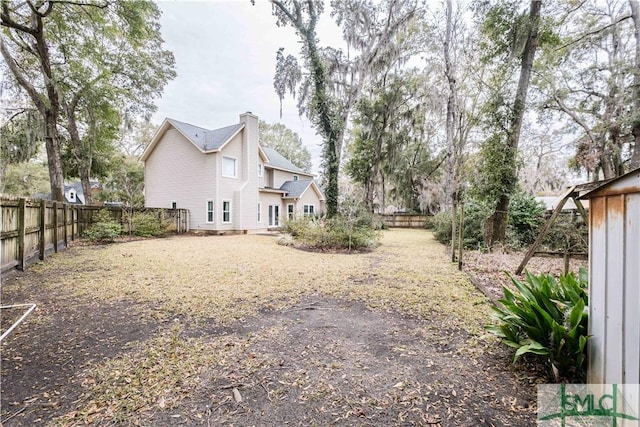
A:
(614, 281)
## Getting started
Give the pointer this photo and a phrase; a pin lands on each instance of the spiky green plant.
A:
(546, 317)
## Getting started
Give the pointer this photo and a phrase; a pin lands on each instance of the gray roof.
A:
(206, 139)
(277, 160)
(295, 188)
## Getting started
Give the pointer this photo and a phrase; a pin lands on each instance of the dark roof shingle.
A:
(206, 139)
(278, 161)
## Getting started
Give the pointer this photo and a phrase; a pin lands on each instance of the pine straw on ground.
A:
(237, 330)
(491, 271)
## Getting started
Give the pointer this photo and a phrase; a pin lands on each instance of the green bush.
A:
(298, 226)
(547, 318)
(526, 216)
(440, 223)
(475, 215)
(103, 229)
(339, 232)
(148, 225)
(351, 233)
(525, 219)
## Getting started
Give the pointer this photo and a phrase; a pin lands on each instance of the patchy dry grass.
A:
(231, 277)
(350, 365)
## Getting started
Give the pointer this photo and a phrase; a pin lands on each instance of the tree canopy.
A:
(286, 142)
(488, 98)
(84, 86)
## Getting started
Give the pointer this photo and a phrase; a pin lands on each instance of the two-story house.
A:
(226, 180)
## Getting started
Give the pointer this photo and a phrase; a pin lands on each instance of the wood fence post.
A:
(43, 229)
(22, 203)
(55, 227)
(74, 218)
(461, 237)
(453, 232)
(65, 218)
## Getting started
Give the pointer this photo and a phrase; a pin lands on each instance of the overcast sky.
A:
(225, 54)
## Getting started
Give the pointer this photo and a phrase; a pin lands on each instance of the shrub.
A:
(475, 215)
(351, 233)
(339, 232)
(568, 233)
(103, 229)
(440, 223)
(298, 226)
(148, 225)
(526, 216)
(546, 318)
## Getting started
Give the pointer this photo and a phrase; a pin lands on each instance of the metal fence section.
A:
(32, 229)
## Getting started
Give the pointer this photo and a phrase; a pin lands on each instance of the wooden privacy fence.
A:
(404, 220)
(34, 228)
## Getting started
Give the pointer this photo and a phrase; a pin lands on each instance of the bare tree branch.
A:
(591, 33)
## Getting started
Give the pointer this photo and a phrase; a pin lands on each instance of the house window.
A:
(229, 169)
(274, 215)
(72, 195)
(308, 210)
(210, 211)
(174, 204)
(259, 212)
(260, 170)
(290, 212)
(226, 211)
(295, 177)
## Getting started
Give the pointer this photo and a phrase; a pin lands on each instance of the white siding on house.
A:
(280, 177)
(310, 197)
(178, 171)
(228, 187)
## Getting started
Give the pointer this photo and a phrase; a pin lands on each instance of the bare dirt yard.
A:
(237, 330)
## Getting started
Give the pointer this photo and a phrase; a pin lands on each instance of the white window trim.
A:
(260, 170)
(296, 177)
(213, 211)
(235, 167)
(172, 202)
(309, 209)
(259, 213)
(230, 207)
(291, 213)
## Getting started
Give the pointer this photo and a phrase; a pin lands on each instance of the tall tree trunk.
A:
(325, 114)
(327, 120)
(635, 130)
(497, 223)
(82, 155)
(449, 72)
(54, 159)
(47, 103)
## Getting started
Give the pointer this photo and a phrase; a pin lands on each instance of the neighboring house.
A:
(73, 193)
(225, 178)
